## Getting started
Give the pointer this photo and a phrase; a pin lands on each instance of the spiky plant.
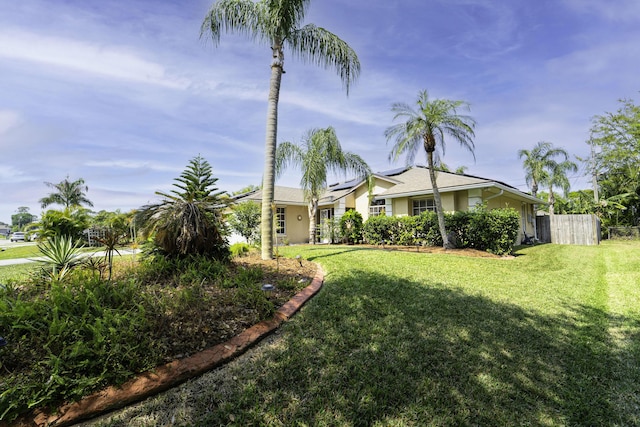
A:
(188, 219)
(59, 256)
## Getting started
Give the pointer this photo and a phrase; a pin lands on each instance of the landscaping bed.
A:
(73, 338)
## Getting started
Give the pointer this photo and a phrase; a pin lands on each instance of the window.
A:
(377, 208)
(423, 205)
(280, 221)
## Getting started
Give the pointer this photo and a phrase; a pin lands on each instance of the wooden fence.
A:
(569, 229)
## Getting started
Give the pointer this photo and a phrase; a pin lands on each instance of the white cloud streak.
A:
(112, 62)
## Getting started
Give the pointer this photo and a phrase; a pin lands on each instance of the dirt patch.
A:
(189, 332)
(475, 253)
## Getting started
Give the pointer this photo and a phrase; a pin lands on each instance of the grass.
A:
(549, 338)
(21, 251)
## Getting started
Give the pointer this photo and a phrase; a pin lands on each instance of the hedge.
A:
(494, 231)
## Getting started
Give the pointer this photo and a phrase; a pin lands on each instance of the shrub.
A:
(351, 226)
(376, 230)
(239, 249)
(427, 230)
(494, 230)
(85, 333)
(188, 220)
(60, 256)
(407, 231)
(245, 220)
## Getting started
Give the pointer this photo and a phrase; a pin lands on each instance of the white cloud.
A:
(131, 164)
(8, 120)
(113, 62)
(617, 11)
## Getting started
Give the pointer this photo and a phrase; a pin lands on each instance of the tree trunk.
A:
(268, 182)
(436, 196)
(313, 209)
(552, 201)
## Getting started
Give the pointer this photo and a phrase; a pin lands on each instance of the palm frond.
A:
(323, 48)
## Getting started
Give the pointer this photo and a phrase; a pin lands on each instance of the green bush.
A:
(493, 231)
(239, 249)
(351, 226)
(85, 334)
(377, 230)
(406, 231)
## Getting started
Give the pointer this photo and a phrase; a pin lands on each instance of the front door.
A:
(325, 225)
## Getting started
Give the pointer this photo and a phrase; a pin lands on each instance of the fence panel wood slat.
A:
(569, 229)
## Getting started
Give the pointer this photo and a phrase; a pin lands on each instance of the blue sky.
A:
(125, 93)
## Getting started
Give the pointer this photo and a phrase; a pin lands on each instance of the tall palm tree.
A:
(68, 194)
(319, 154)
(188, 220)
(541, 168)
(557, 177)
(277, 23)
(427, 127)
(537, 163)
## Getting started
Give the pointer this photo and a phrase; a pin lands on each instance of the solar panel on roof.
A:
(392, 172)
(346, 185)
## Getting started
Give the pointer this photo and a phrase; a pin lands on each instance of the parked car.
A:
(18, 235)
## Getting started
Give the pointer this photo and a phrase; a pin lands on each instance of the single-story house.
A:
(398, 192)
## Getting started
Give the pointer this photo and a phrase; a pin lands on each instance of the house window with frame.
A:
(377, 208)
(423, 205)
(280, 221)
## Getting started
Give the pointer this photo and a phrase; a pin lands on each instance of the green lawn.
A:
(19, 251)
(548, 338)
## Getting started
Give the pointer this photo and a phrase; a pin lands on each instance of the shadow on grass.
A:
(388, 351)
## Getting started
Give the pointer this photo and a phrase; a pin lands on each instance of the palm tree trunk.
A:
(313, 209)
(436, 196)
(268, 182)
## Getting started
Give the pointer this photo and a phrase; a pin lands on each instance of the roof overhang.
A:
(480, 185)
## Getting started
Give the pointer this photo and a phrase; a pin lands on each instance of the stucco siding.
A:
(295, 231)
(402, 207)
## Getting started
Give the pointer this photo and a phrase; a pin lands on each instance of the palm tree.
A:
(68, 194)
(277, 23)
(319, 153)
(188, 220)
(427, 126)
(557, 177)
(537, 163)
(541, 168)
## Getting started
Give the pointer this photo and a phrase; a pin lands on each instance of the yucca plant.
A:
(59, 256)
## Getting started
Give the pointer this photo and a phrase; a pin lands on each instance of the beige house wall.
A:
(296, 231)
(361, 196)
(401, 207)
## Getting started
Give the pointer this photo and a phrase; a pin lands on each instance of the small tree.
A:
(188, 220)
(245, 220)
(319, 154)
(351, 226)
(69, 222)
(21, 218)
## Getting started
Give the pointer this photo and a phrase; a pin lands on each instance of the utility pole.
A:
(594, 171)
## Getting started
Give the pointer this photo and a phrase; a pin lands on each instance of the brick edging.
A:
(178, 371)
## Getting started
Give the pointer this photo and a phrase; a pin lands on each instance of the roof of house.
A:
(282, 195)
(415, 181)
(408, 182)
